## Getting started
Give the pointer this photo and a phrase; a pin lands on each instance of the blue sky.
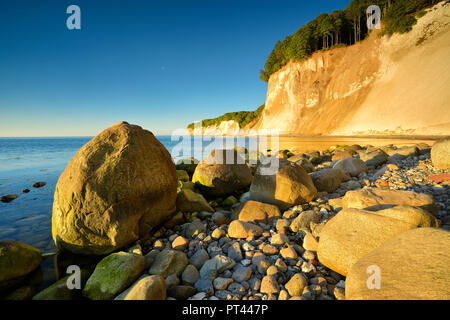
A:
(159, 64)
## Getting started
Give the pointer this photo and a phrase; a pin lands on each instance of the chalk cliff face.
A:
(398, 85)
(389, 85)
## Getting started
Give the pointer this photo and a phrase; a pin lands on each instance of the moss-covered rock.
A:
(189, 201)
(17, 259)
(113, 274)
(60, 291)
(182, 175)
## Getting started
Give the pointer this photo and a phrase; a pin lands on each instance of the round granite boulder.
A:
(118, 187)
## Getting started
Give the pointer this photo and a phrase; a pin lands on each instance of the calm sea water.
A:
(24, 161)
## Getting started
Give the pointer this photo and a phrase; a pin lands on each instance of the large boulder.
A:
(440, 154)
(377, 198)
(285, 186)
(258, 212)
(414, 265)
(222, 172)
(17, 259)
(119, 186)
(351, 166)
(353, 233)
(327, 180)
(113, 274)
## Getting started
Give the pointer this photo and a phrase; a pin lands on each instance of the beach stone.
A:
(288, 186)
(113, 274)
(235, 252)
(187, 164)
(301, 161)
(289, 253)
(8, 198)
(439, 178)
(412, 215)
(183, 175)
(118, 187)
(189, 201)
(150, 257)
(219, 218)
(216, 265)
(199, 258)
(327, 180)
(269, 284)
(259, 212)
(222, 283)
(229, 201)
(181, 292)
(296, 285)
(440, 154)
(353, 233)
(222, 172)
(304, 219)
(269, 250)
(172, 280)
(309, 242)
(242, 273)
(190, 274)
(218, 233)
(376, 198)
(60, 291)
(351, 166)
(195, 228)
(374, 158)
(279, 239)
(338, 155)
(242, 230)
(180, 243)
(414, 265)
(167, 262)
(17, 259)
(260, 262)
(147, 288)
(39, 184)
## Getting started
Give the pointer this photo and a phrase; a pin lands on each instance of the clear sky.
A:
(160, 64)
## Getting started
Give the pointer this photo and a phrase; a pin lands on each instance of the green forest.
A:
(241, 117)
(343, 27)
(326, 31)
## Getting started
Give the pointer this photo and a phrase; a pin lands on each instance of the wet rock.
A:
(17, 259)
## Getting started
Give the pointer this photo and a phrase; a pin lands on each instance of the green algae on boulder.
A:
(189, 201)
(119, 186)
(60, 291)
(17, 259)
(113, 274)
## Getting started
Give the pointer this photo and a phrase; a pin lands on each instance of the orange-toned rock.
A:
(438, 178)
(258, 212)
(119, 186)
